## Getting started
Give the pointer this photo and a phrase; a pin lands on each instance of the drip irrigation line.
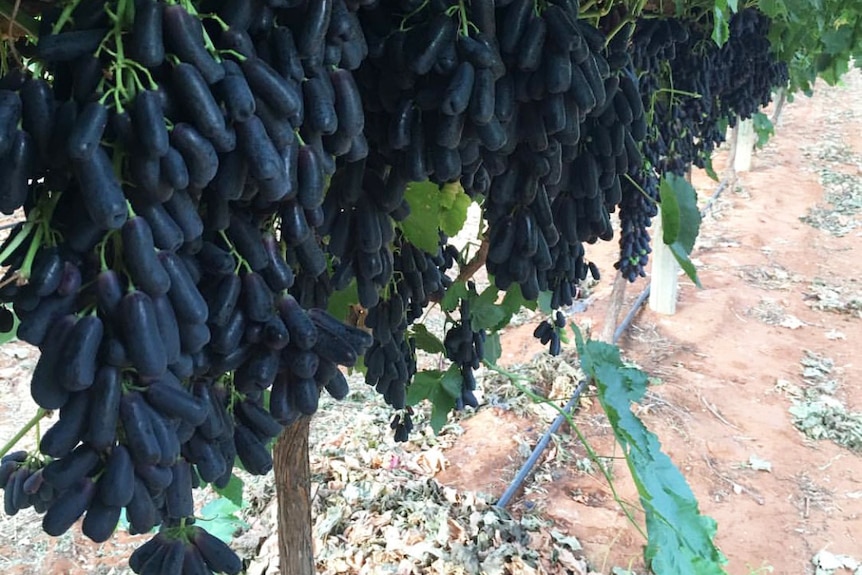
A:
(9, 226)
(540, 447)
(525, 470)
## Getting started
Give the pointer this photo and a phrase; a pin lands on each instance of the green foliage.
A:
(220, 519)
(340, 301)
(425, 340)
(722, 12)
(441, 388)
(434, 208)
(680, 539)
(817, 38)
(763, 128)
(232, 491)
(681, 220)
(24, 23)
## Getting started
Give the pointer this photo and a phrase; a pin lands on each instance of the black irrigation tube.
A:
(555, 426)
(540, 447)
(9, 226)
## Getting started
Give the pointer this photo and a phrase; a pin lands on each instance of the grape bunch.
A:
(712, 87)
(548, 333)
(198, 178)
(465, 347)
(172, 198)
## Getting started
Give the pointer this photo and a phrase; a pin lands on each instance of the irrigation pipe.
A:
(540, 447)
(525, 470)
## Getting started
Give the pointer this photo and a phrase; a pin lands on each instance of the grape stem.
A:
(34, 421)
(476, 263)
(18, 20)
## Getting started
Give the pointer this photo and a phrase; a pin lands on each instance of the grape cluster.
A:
(199, 177)
(172, 210)
(548, 333)
(519, 105)
(712, 87)
(23, 484)
(465, 347)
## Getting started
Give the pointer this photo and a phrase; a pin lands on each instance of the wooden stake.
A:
(618, 296)
(293, 492)
(779, 106)
(664, 284)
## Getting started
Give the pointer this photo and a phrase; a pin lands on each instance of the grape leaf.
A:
(681, 256)
(680, 220)
(429, 384)
(721, 27)
(434, 208)
(681, 540)
(340, 301)
(441, 404)
(493, 349)
(763, 128)
(421, 227)
(544, 301)
(232, 491)
(454, 203)
(456, 292)
(220, 519)
(837, 40)
(485, 313)
(422, 385)
(514, 300)
(451, 381)
(427, 341)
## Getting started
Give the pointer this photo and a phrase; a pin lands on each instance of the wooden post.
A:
(664, 283)
(744, 146)
(293, 493)
(618, 296)
(781, 93)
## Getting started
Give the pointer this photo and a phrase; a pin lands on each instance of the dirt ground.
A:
(774, 328)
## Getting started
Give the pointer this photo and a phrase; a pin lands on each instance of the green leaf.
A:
(544, 302)
(422, 386)
(451, 381)
(485, 313)
(454, 203)
(681, 256)
(219, 518)
(709, 169)
(23, 22)
(427, 341)
(838, 40)
(721, 28)
(441, 405)
(435, 386)
(434, 208)
(681, 540)
(232, 491)
(669, 207)
(340, 301)
(493, 349)
(679, 213)
(456, 292)
(421, 227)
(514, 300)
(763, 128)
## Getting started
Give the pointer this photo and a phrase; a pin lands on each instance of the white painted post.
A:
(744, 145)
(664, 283)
